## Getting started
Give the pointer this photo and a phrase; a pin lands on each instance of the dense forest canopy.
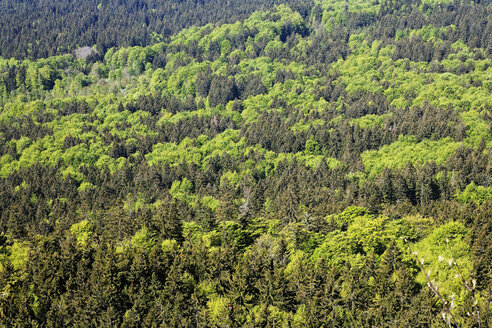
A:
(36, 29)
(254, 163)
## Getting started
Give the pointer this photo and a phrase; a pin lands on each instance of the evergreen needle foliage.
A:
(217, 163)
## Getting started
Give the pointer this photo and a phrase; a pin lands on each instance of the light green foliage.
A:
(371, 234)
(421, 226)
(267, 27)
(226, 233)
(314, 160)
(334, 11)
(218, 310)
(312, 147)
(370, 120)
(231, 178)
(7, 165)
(86, 186)
(182, 80)
(49, 149)
(169, 245)
(428, 33)
(16, 255)
(19, 107)
(300, 317)
(182, 190)
(263, 225)
(304, 126)
(439, 251)
(192, 230)
(82, 154)
(336, 249)
(135, 202)
(82, 231)
(348, 216)
(411, 83)
(411, 228)
(207, 289)
(22, 144)
(212, 239)
(474, 193)
(354, 236)
(133, 58)
(143, 238)
(352, 245)
(433, 2)
(272, 159)
(408, 150)
(278, 317)
(200, 154)
(109, 162)
(297, 257)
(361, 234)
(211, 202)
(478, 129)
(70, 171)
(366, 68)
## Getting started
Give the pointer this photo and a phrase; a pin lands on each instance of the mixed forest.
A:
(260, 163)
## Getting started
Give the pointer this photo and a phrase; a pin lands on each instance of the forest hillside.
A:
(218, 163)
